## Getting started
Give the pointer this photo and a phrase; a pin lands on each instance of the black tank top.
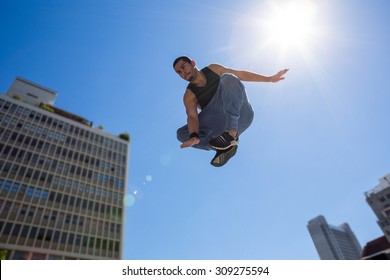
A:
(206, 93)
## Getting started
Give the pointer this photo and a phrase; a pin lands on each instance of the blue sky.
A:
(318, 142)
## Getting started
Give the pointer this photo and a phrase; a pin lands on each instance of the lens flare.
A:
(129, 200)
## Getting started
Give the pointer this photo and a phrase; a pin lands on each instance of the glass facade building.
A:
(62, 182)
(334, 242)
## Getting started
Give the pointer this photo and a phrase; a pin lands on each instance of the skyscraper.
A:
(334, 242)
(62, 181)
(379, 201)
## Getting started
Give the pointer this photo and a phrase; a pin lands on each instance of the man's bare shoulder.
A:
(189, 96)
(217, 68)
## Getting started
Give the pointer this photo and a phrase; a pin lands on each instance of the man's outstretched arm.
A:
(248, 76)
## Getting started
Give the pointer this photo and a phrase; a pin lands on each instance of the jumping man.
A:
(224, 109)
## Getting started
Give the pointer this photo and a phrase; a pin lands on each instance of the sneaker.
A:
(224, 141)
(222, 156)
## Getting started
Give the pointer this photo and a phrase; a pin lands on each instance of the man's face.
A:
(185, 70)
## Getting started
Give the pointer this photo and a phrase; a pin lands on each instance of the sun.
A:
(291, 24)
(289, 29)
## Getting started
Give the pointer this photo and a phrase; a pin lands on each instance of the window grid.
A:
(60, 197)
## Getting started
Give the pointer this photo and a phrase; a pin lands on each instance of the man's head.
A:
(185, 67)
(184, 58)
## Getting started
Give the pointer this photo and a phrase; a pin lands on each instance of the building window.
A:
(7, 186)
(33, 232)
(25, 230)
(7, 229)
(54, 257)
(32, 95)
(37, 256)
(16, 229)
(386, 212)
(20, 255)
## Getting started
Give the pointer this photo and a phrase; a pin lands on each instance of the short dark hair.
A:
(184, 58)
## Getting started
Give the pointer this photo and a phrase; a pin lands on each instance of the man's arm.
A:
(191, 106)
(248, 76)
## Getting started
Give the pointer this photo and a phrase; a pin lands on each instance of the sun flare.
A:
(285, 29)
(290, 25)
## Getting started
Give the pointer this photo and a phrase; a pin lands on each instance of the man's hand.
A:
(189, 143)
(278, 76)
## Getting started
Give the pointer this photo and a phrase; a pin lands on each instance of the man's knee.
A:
(231, 83)
(228, 78)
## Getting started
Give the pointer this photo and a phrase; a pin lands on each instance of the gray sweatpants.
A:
(228, 110)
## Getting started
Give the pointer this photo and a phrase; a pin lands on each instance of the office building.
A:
(334, 242)
(62, 181)
(379, 201)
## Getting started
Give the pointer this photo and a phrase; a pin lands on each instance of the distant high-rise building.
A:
(334, 242)
(62, 182)
(379, 201)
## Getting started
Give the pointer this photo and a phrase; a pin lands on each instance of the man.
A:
(225, 111)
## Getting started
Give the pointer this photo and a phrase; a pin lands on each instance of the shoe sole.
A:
(225, 157)
(233, 143)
